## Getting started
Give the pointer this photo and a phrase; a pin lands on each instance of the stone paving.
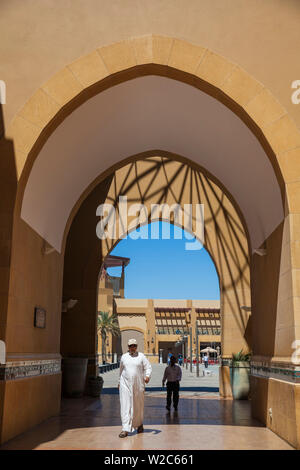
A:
(190, 385)
(200, 423)
(204, 421)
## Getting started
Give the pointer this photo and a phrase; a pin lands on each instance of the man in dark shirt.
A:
(173, 376)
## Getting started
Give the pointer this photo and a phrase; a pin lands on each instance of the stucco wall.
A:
(132, 321)
(261, 36)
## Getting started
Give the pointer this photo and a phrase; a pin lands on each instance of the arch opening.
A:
(165, 114)
(225, 239)
(161, 321)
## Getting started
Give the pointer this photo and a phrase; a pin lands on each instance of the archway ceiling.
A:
(144, 114)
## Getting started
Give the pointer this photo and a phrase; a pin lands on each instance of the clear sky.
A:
(164, 268)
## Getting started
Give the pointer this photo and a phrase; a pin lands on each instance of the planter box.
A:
(95, 385)
(240, 380)
(74, 376)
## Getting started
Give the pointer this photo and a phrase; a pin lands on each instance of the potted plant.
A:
(95, 385)
(240, 375)
(74, 376)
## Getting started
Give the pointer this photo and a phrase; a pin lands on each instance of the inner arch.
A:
(146, 113)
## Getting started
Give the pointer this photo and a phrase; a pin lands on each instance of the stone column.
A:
(151, 331)
(193, 315)
(235, 327)
(275, 367)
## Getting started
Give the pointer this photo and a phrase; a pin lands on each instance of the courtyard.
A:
(204, 421)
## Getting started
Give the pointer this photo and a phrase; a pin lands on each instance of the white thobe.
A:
(134, 368)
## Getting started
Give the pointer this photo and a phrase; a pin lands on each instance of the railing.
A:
(172, 331)
(201, 331)
(209, 331)
(108, 367)
(200, 361)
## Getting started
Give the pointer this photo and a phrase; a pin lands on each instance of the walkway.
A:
(191, 385)
(203, 421)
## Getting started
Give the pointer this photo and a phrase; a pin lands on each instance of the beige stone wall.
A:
(234, 37)
(265, 275)
(276, 404)
(132, 321)
(245, 32)
(28, 402)
(139, 314)
(35, 281)
(129, 333)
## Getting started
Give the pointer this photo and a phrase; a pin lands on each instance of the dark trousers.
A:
(172, 388)
(206, 364)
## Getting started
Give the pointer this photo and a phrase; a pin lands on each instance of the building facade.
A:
(160, 326)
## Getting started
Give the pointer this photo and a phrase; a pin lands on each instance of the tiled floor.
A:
(201, 423)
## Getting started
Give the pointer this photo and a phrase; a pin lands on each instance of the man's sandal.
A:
(123, 434)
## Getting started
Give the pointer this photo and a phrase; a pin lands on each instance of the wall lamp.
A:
(68, 305)
(47, 249)
(244, 307)
(261, 251)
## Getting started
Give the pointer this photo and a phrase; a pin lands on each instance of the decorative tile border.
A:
(226, 362)
(27, 369)
(280, 371)
(286, 372)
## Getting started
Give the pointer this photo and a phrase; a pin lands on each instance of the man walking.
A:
(173, 376)
(205, 359)
(135, 371)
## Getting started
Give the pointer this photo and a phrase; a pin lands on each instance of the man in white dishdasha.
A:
(135, 371)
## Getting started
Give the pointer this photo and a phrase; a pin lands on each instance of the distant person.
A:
(173, 376)
(205, 360)
(180, 359)
(169, 358)
(135, 371)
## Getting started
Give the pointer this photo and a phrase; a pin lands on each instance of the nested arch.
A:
(225, 236)
(49, 111)
(158, 180)
(55, 105)
(132, 332)
(150, 56)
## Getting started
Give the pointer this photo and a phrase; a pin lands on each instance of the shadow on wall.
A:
(226, 232)
(8, 189)
(82, 263)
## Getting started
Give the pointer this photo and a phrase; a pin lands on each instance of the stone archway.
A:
(215, 72)
(175, 182)
(275, 131)
(127, 334)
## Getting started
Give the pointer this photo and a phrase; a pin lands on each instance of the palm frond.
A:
(107, 323)
(241, 356)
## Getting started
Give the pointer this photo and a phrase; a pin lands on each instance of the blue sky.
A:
(164, 268)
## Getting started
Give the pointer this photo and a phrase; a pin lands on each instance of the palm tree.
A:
(107, 323)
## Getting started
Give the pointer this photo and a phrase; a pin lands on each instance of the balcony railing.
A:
(172, 331)
(209, 331)
(178, 331)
